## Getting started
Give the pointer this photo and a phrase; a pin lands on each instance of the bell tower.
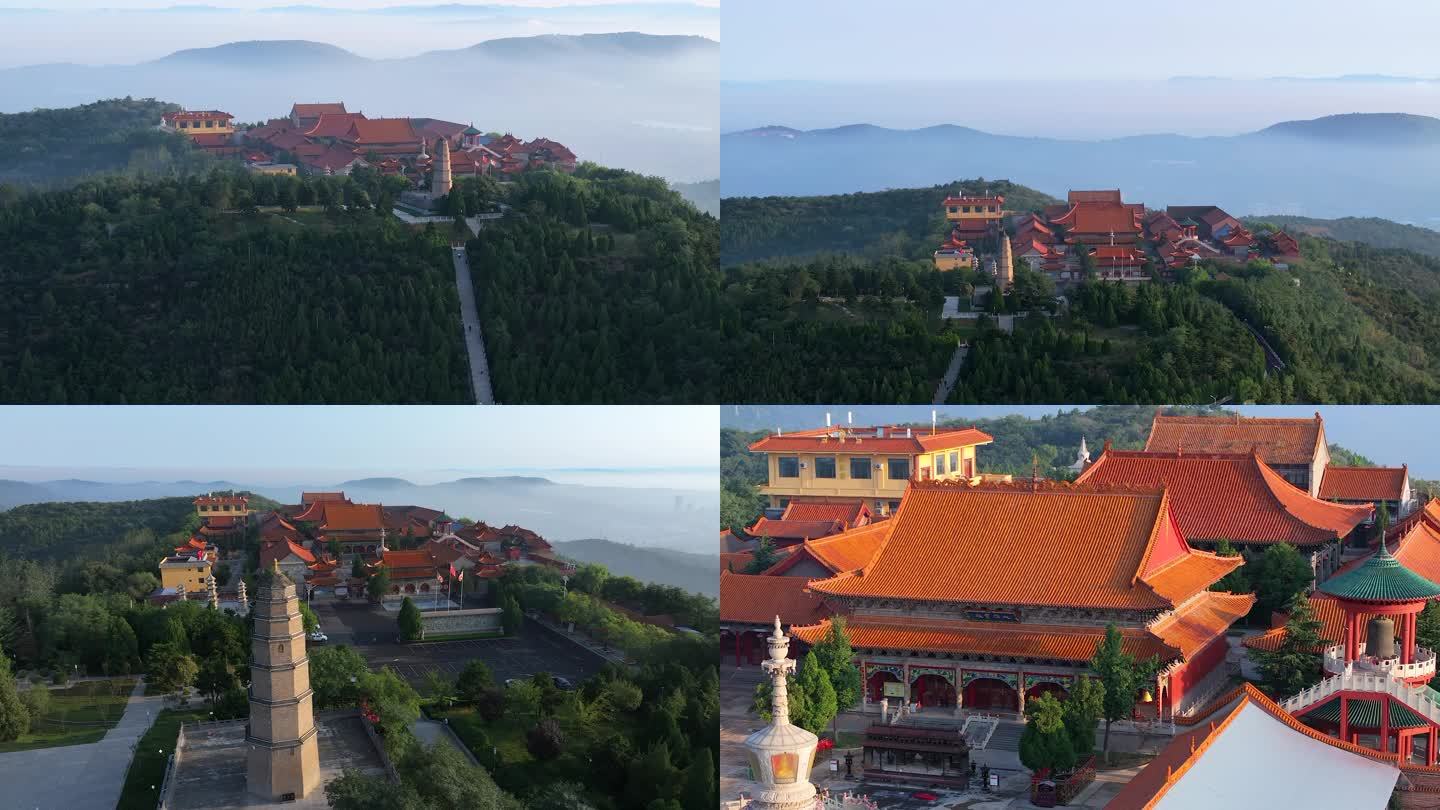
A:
(283, 759)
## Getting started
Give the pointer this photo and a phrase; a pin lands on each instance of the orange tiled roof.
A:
(1279, 441)
(1327, 610)
(782, 529)
(411, 564)
(1418, 548)
(382, 131)
(1149, 786)
(1035, 641)
(315, 497)
(353, 517)
(848, 511)
(317, 110)
(271, 552)
(1031, 544)
(1201, 620)
(758, 599)
(838, 553)
(1229, 496)
(1363, 483)
(333, 125)
(866, 440)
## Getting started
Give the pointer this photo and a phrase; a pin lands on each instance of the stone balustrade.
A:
(1421, 699)
(1422, 666)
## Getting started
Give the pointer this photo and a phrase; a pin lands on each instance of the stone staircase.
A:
(1422, 700)
(1006, 737)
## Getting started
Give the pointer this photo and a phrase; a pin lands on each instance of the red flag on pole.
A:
(452, 570)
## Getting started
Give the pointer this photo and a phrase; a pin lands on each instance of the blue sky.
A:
(1060, 39)
(1390, 435)
(423, 443)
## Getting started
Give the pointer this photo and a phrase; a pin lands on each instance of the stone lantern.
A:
(781, 755)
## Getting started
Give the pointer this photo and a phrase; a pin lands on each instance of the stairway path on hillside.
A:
(474, 339)
(952, 374)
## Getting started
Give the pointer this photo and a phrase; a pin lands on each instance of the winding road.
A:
(474, 339)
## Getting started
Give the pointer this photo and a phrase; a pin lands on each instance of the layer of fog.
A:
(1068, 109)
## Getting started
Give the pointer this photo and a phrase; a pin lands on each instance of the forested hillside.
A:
(47, 146)
(903, 222)
(73, 532)
(606, 290)
(1350, 323)
(1373, 231)
(124, 290)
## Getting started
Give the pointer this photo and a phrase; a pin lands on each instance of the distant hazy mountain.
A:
(1349, 165)
(699, 573)
(705, 195)
(1391, 129)
(679, 519)
(265, 55)
(649, 103)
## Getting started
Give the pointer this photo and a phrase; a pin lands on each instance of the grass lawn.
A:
(78, 714)
(148, 766)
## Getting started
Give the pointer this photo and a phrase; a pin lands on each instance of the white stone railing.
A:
(1419, 698)
(1424, 663)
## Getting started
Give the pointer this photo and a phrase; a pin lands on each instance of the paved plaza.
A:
(211, 773)
(78, 777)
(537, 649)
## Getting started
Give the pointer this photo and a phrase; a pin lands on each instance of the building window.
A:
(209, 124)
(899, 469)
(860, 468)
(965, 209)
(825, 467)
(955, 462)
(784, 502)
(788, 466)
(969, 468)
(939, 464)
(893, 506)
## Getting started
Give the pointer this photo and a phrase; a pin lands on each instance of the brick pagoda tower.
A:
(284, 761)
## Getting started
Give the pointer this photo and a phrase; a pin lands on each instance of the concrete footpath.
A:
(79, 777)
(474, 338)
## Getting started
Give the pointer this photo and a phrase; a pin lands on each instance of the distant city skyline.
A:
(931, 39)
(650, 446)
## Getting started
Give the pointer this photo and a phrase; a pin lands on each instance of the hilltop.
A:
(906, 222)
(1351, 129)
(1381, 233)
(850, 286)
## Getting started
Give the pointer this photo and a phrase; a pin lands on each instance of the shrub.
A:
(545, 741)
(490, 705)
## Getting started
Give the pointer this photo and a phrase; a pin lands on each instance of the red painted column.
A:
(1349, 636)
(1430, 749)
(737, 649)
(1384, 724)
(1407, 656)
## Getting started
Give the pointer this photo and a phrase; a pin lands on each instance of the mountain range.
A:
(679, 519)
(1380, 165)
(644, 102)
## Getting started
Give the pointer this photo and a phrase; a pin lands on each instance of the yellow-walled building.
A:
(199, 122)
(227, 505)
(974, 213)
(873, 465)
(188, 567)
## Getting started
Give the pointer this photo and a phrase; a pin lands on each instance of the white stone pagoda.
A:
(781, 754)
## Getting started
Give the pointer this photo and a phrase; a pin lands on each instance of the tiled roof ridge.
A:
(1162, 514)
(1039, 486)
(1210, 708)
(1274, 479)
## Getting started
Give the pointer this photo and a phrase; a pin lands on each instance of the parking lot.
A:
(373, 633)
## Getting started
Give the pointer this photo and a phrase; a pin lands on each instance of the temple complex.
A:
(1020, 617)
(1097, 234)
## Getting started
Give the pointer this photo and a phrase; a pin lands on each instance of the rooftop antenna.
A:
(932, 422)
(849, 417)
(827, 419)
